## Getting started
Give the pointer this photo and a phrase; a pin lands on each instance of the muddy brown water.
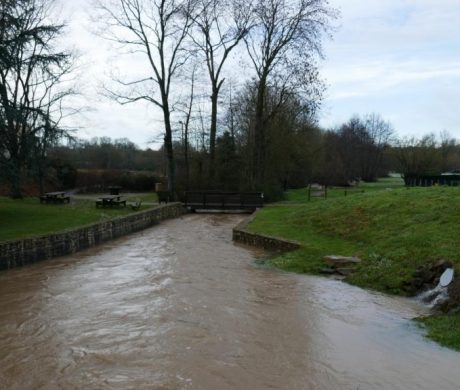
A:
(179, 306)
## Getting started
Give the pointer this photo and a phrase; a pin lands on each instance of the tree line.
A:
(363, 148)
(237, 84)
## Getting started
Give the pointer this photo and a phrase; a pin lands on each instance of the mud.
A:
(179, 306)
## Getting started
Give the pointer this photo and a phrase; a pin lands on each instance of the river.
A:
(179, 306)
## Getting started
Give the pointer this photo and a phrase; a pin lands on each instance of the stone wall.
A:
(241, 235)
(29, 250)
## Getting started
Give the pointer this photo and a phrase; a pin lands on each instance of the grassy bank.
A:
(445, 329)
(393, 230)
(27, 217)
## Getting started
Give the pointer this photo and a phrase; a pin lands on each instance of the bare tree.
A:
(186, 109)
(448, 146)
(157, 29)
(220, 27)
(48, 125)
(381, 134)
(31, 71)
(282, 49)
(418, 156)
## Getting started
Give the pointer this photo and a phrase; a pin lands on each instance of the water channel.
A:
(179, 306)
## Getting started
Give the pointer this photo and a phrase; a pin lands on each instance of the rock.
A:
(345, 271)
(336, 261)
(327, 271)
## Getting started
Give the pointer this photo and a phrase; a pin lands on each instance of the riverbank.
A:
(395, 232)
(16, 253)
(21, 218)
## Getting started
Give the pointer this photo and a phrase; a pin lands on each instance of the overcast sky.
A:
(399, 58)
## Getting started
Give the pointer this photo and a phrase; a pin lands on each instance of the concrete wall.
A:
(29, 250)
(241, 235)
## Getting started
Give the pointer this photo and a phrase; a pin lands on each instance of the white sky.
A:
(399, 58)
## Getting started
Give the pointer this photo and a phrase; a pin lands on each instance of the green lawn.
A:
(151, 197)
(301, 195)
(393, 230)
(27, 217)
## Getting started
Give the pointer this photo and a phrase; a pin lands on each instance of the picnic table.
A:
(55, 197)
(110, 201)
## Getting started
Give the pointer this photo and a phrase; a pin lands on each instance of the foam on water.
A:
(434, 296)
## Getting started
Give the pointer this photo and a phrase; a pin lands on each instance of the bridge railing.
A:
(212, 200)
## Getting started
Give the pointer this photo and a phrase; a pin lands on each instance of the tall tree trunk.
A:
(169, 150)
(213, 134)
(259, 137)
(186, 130)
(187, 165)
(40, 182)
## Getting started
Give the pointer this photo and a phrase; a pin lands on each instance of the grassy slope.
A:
(445, 329)
(393, 231)
(27, 217)
(151, 197)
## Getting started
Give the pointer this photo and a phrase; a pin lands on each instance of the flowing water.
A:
(179, 306)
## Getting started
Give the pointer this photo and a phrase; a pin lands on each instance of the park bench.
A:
(55, 197)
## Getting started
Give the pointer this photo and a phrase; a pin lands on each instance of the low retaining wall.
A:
(241, 235)
(29, 250)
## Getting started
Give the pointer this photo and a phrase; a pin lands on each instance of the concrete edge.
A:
(270, 243)
(16, 253)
